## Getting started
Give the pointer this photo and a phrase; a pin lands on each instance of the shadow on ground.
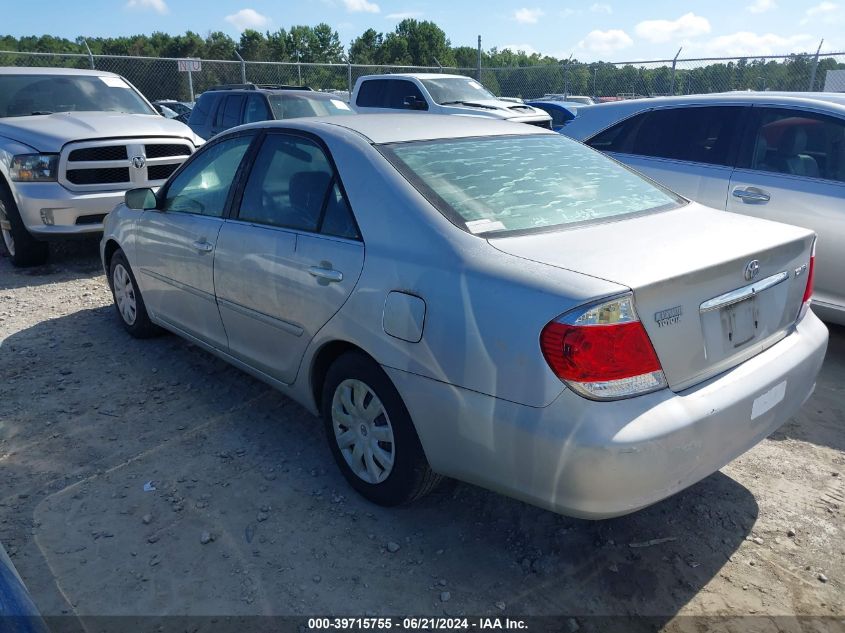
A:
(89, 422)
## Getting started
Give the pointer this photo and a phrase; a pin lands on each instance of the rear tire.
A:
(371, 435)
(24, 250)
(130, 306)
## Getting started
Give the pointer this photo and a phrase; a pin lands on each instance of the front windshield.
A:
(520, 183)
(456, 90)
(25, 95)
(295, 106)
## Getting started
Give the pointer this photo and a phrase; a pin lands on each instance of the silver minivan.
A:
(777, 156)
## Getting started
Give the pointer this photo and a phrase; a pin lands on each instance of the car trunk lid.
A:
(687, 270)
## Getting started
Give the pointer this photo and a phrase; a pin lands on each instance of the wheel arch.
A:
(321, 362)
(109, 250)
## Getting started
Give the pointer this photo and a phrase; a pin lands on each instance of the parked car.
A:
(225, 107)
(581, 100)
(179, 107)
(164, 111)
(71, 143)
(439, 94)
(530, 316)
(562, 112)
(777, 156)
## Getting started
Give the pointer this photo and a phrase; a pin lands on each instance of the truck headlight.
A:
(34, 167)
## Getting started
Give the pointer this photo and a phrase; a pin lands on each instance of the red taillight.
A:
(592, 353)
(808, 291)
(603, 351)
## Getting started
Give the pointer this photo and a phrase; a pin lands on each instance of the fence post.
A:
(90, 55)
(478, 60)
(674, 63)
(349, 77)
(815, 68)
(243, 67)
(191, 84)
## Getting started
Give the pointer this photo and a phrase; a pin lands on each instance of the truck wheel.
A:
(24, 250)
(371, 435)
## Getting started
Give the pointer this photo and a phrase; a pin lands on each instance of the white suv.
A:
(439, 94)
(72, 142)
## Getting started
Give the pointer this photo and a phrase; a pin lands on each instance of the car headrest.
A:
(793, 141)
(308, 189)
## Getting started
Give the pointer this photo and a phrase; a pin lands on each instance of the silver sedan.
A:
(477, 299)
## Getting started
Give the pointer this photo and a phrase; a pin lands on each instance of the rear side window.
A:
(229, 115)
(799, 143)
(373, 93)
(202, 109)
(293, 185)
(696, 134)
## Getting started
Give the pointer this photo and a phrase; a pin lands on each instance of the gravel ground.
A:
(250, 516)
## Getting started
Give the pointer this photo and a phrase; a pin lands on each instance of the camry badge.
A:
(751, 269)
(668, 317)
(138, 162)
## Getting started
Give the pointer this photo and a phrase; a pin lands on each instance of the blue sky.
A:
(601, 29)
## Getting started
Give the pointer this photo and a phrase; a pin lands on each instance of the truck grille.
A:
(110, 165)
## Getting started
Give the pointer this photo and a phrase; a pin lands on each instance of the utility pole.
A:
(478, 62)
(815, 67)
(566, 76)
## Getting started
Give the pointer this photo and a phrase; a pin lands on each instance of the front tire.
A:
(128, 300)
(24, 250)
(371, 435)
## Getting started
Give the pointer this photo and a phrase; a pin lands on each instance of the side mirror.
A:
(415, 104)
(140, 199)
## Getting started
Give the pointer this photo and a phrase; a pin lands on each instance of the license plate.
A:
(768, 400)
(741, 321)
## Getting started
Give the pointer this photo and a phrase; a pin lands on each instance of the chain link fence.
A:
(161, 78)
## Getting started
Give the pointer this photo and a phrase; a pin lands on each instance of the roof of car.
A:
(403, 128)
(724, 97)
(311, 94)
(32, 70)
(417, 75)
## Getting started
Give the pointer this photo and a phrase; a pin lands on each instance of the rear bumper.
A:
(603, 459)
(39, 203)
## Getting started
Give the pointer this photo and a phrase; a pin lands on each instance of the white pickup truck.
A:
(72, 142)
(439, 94)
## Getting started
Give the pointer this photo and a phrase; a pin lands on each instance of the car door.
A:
(792, 170)
(175, 243)
(689, 149)
(289, 256)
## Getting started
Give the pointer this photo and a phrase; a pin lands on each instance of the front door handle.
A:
(326, 274)
(751, 195)
(203, 247)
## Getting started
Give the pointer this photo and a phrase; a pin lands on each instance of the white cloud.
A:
(159, 6)
(823, 9)
(605, 42)
(659, 31)
(247, 19)
(761, 6)
(749, 44)
(525, 48)
(403, 15)
(361, 6)
(601, 7)
(528, 16)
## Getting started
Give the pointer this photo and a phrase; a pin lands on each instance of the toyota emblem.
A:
(138, 162)
(751, 269)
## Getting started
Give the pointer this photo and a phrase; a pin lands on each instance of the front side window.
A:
(202, 187)
(256, 109)
(800, 143)
(403, 94)
(456, 90)
(26, 95)
(523, 183)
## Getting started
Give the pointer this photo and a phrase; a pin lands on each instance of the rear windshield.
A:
(25, 95)
(523, 183)
(295, 106)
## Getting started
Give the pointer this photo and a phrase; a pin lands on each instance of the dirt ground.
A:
(88, 416)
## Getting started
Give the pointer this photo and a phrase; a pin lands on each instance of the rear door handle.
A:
(327, 274)
(751, 195)
(203, 247)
